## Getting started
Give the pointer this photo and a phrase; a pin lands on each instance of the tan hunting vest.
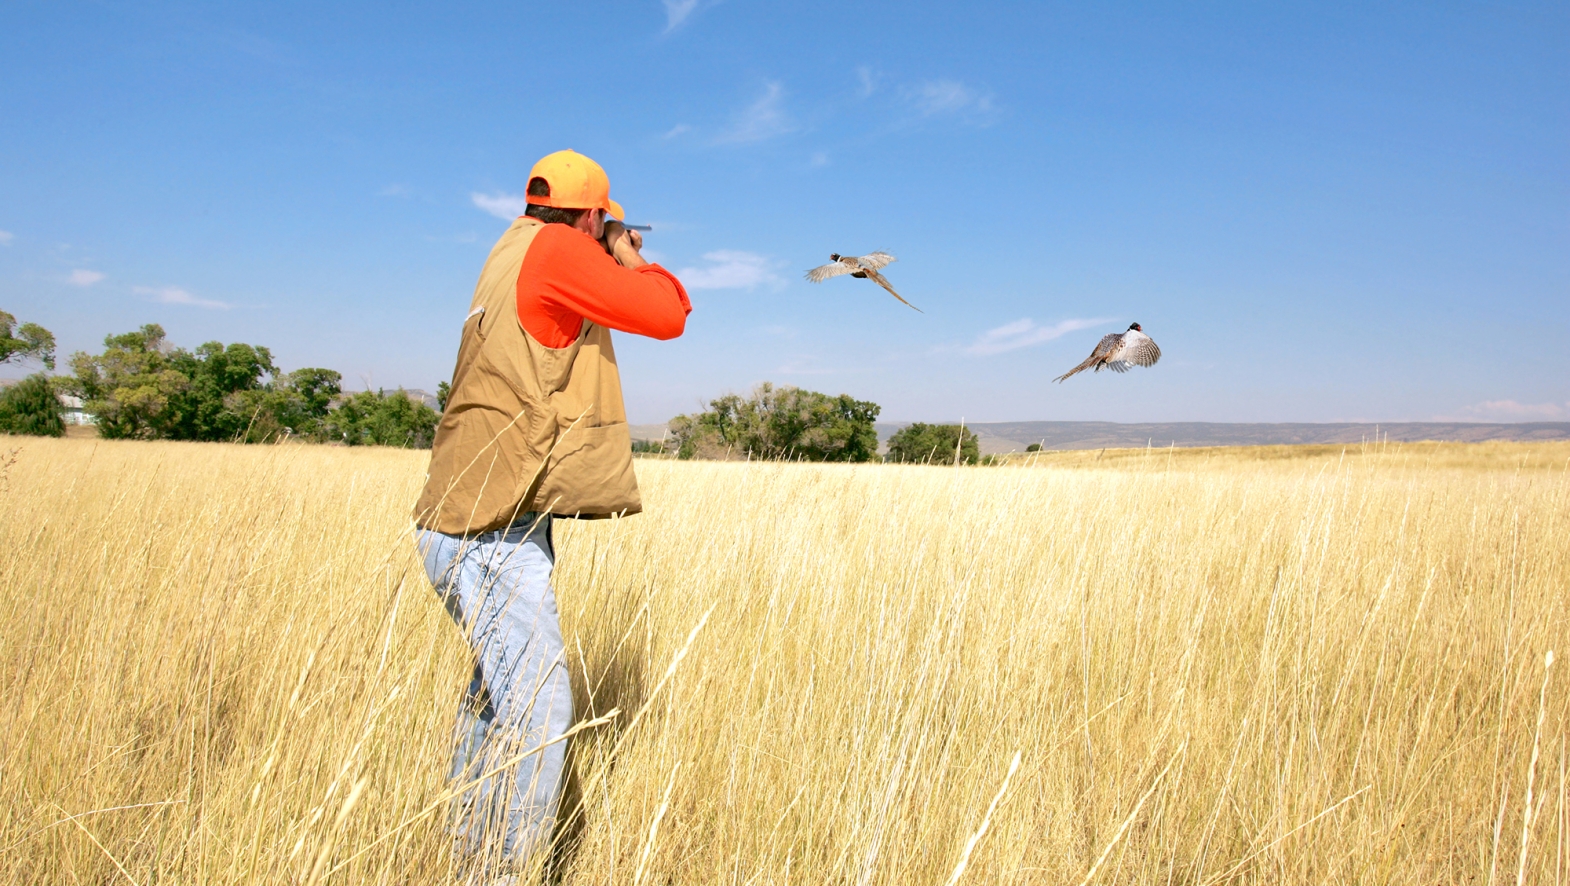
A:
(527, 428)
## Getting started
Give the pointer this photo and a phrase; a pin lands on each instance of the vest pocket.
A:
(592, 468)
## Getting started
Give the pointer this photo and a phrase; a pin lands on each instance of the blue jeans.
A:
(497, 586)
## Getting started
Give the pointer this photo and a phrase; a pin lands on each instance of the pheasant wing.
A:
(1136, 349)
(832, 269)
(1108, 344)
(1143, 352)
(874, 260)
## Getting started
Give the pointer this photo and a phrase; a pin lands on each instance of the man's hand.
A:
(623, 245)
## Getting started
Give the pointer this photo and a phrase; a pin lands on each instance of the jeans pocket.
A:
(437, 551)
(526, 527)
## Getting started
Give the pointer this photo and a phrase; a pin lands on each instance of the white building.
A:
(72, 413)
(71, 410)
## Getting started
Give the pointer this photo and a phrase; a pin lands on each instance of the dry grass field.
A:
(222, 664)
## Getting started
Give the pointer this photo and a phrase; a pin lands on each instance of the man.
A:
(534, 429)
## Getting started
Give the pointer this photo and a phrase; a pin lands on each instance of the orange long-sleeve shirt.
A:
(567, 276)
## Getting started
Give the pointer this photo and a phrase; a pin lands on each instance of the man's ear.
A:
(589, 223)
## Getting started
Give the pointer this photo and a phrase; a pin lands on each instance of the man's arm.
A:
(624, 245)
(567, 275)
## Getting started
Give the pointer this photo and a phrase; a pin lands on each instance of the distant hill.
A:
(649, 432)
(997, 437)
(1014, 436)
(422, 396)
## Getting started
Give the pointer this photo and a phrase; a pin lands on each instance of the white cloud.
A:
(676, 12)
(82, 277)
(1510, 411)
(731, 269)
(762, 119)
(935, 97)
(6, 237)
(501, 205)
(676, 130)
(1023, 334)
(394, 190)
(869, 81)
(173, 295)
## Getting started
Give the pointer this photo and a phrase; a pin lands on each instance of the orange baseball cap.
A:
(576, 183)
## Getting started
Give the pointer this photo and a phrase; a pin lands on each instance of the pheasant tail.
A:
(1089, 362)
(882, 281)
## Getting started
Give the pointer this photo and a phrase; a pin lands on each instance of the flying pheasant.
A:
(865, 266)
(1119, 351)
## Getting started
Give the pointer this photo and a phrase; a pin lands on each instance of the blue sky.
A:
(1319, 214)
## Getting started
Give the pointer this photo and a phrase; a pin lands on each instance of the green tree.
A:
(293, 405)
(382, 419)
(443, 391)
(934, 444)
(211, 405)
(130, 385)
(31, 407)
(309, 395)
(317, 389)
(28, 341)
(142, 387)
(780, 423)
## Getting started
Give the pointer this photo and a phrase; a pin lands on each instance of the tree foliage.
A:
(31, 407)
(142, 387)
(129, 387)
(28, 341)
(211, 405)
(780, 423)
(382, 419)
(295, 404)
(934, 444)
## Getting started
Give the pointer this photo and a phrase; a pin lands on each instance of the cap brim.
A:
(614, 209)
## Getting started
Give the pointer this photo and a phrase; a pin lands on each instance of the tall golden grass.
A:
(223, 664)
